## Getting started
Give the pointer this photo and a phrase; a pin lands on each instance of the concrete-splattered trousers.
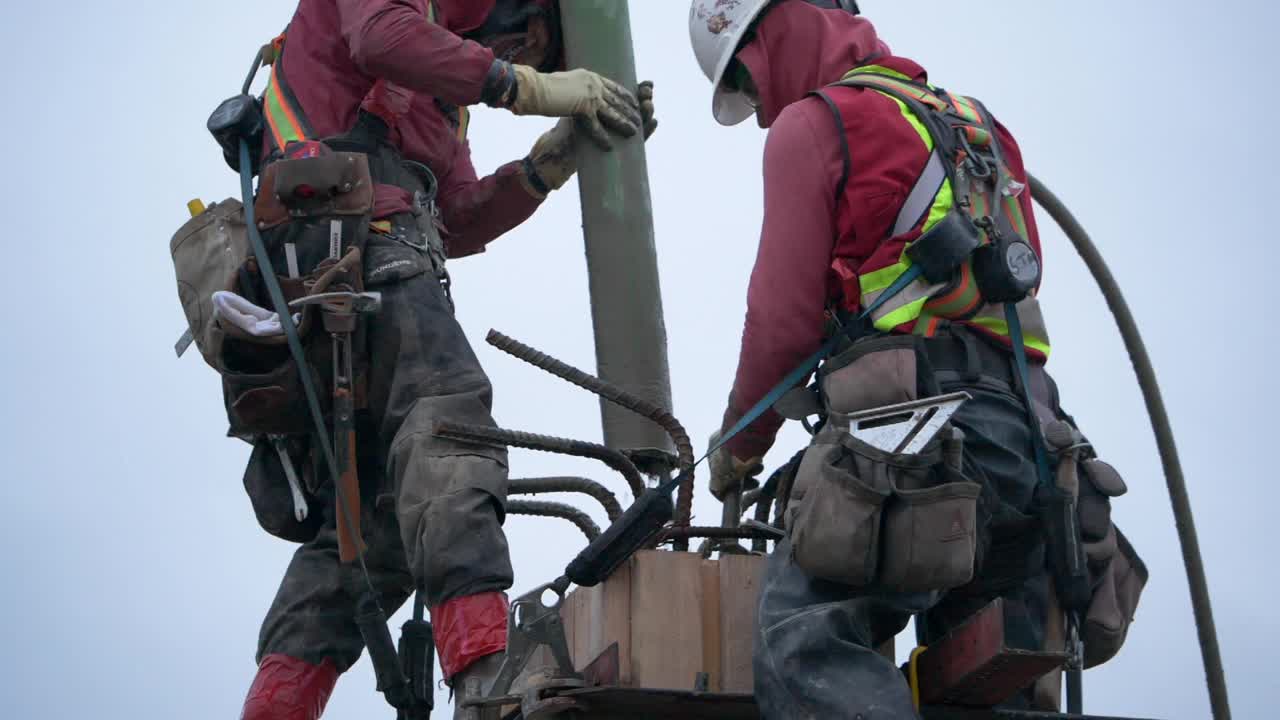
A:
(815, 651)
(432, 509)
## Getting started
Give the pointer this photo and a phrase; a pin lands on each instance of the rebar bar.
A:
(538, 486)
(540, 508)
(484, 435)
(620, 397)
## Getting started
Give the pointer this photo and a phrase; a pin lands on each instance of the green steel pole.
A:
(617, 222)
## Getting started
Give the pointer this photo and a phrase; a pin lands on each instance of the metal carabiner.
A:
(977, 165)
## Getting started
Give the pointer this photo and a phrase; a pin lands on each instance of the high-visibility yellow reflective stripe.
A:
(1000, 327)
(904, 314)
(877, 70)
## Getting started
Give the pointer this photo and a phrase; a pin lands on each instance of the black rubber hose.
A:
(541, 508)
(684, 532)
(485, 435)
(1182, 513)
(538, 486)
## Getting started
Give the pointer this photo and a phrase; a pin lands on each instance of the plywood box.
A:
(672, 616)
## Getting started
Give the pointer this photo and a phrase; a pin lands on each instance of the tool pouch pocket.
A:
(267, 486)
(261, 382)
(863, 517)
(1118, 574)
(874, 372)
(930, 531)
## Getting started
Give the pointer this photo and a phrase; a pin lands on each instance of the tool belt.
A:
(882, 522)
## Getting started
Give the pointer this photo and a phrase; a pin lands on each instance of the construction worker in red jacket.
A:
(393, 79)
(850, 198)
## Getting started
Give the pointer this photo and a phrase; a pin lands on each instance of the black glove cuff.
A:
(535, 180)
(499, 85)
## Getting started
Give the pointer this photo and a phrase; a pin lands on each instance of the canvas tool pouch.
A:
(1118, 574)
(875, 371)
(208, 252)
(864, 517)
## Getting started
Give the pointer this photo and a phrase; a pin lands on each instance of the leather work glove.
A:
(728, 473)
(554, 157)
(602, 105)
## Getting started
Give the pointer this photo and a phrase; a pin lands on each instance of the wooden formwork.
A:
(679, 622)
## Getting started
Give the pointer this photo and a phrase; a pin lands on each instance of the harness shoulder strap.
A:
(285, 118)
(844, 144)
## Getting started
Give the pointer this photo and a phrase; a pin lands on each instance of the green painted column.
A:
(617, 222)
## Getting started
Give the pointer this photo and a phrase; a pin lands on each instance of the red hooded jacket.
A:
(793, 281)
(385, 57)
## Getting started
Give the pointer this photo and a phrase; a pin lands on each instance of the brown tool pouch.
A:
(262, 386)
(876, 371)
(1118, 574)
(867, 518)
(314, 213)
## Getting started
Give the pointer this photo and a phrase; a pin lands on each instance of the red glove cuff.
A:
(469, 628)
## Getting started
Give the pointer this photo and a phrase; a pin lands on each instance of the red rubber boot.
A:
(289, 689)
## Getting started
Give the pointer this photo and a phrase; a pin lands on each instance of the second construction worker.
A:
(896, 217)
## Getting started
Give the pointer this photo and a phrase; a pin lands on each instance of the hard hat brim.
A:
(731, 107)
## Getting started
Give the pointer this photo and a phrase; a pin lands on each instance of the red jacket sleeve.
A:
(477, 211)
(393, 40)
(786, 300)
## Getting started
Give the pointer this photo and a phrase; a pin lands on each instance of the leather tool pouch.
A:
(1118, 574)
(262, 385)
(267, 485)
(315, 212)
(867, 518)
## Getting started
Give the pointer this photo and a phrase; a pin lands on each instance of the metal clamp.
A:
(531, 624)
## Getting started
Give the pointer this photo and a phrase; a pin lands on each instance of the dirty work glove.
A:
(602, 105)
(728, 473)
(553, 159)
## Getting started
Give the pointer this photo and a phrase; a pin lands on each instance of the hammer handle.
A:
(350, 543)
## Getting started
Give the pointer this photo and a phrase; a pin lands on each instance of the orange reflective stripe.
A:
(965, 107)
(464, 122)
(906, 88)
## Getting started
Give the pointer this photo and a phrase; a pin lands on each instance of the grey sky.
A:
(135, 574)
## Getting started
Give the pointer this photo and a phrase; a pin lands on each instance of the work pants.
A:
(433, 508)
(815, 651)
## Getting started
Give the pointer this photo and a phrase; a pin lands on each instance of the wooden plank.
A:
(741, 577)
(666, 621)
(711, 609)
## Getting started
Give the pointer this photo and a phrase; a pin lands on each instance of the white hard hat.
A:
(715, 28)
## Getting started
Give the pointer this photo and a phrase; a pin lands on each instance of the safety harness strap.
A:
(922, 195)
(801, 372)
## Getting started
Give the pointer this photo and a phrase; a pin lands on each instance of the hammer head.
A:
(342, 302)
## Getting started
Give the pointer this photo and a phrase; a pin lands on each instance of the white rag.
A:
(231, 309)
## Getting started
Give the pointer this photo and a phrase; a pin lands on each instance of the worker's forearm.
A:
(393, 40)
(481, 211)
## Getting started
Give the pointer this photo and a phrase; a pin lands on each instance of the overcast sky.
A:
(135, 576)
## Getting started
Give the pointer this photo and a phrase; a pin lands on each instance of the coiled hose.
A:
(1182, 514)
